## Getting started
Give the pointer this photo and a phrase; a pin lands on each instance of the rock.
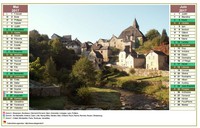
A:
(94, 109)
(147, 107)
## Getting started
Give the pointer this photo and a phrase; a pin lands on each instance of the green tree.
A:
(56, 45)
(50, 72)
(39, 46)
(63, 76)
(84, 71)
(156, 41)
(64, 58)
(141, 42)
(36, 70)
(34, 36)
(164, 37)
(152, 34)
(84, 95)
(99, 77)
(45, 37)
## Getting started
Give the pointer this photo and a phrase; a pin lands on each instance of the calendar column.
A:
(183, 57)
(15, 60)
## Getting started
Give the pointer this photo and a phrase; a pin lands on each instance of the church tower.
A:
(135, 24)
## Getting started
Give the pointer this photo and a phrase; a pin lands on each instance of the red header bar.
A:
(15, 8)
(182, 8)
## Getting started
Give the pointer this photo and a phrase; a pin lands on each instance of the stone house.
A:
(116, 43)
(132, 34)
(86, 48)
(64, 39)
(103, 42)
(54, 36)
(135, 61)
(74, 45)
(96, 58)
(103, 50)
(129, 58)
(157, 60)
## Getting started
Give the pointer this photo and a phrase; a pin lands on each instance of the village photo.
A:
(98, 57)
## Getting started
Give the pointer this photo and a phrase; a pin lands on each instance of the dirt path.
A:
(132, 101)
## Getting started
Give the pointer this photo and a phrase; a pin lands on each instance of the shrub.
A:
(132, 71)
(133, 86)
(84, 95)
(123, 73)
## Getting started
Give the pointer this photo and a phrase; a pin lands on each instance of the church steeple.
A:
(135, 24)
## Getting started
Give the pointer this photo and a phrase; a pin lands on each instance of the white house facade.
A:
(156, 60)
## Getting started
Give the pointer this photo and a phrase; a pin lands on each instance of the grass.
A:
(105, 98)
(143, 78)
(101, 98)
(164, 78)
(94, 89)
(129, 83)
(127, 78)
(159, 92)
(53, 103)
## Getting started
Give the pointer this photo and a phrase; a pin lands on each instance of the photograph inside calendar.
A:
(98, 57)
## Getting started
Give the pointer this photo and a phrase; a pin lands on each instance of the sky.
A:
(90, 22)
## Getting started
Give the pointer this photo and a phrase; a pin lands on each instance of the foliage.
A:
(84, 71)
(152, 34)
(57, 60)
(114, 51)
(164, 37)
(132, 71)
(46, 103)
(36, 70)
(38, 46)
(156, 41)
(105, 98)
(73, 86)
(84, 96)
(50, 72)
(99, 77)
(148, 45)
(160, 92)
(141, 42)
(64, 58)
(63, 76)
(56, 45)
(134, 86)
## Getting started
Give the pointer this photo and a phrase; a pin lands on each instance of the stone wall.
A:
(41, 90)
(155, 83)
(148, 72)
(44, 91)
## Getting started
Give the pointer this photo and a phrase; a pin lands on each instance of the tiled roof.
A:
(160, 53)
(157, 52)
(55, 35)
(130, 31)
(96, 46)
(84, 45)
(73, 43)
